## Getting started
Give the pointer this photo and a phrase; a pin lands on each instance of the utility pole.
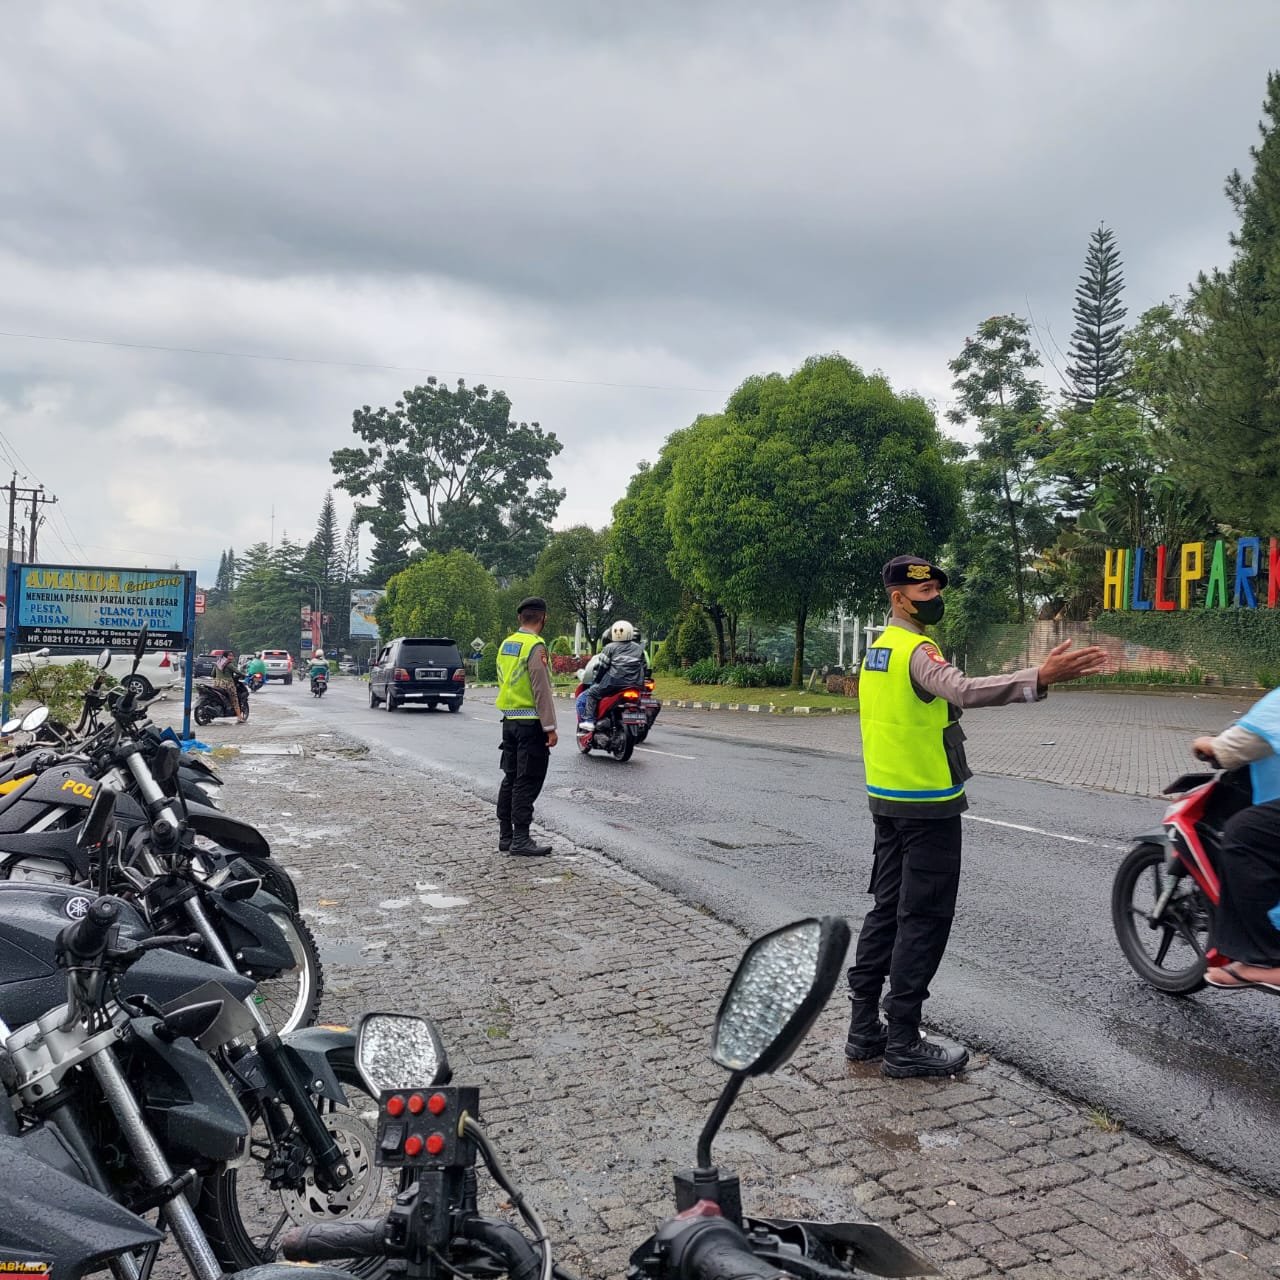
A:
(37, 498)
(13, 502)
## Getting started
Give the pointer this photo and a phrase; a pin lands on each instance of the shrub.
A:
(844, 686)
(563, 664)
(664, 658)
(739, 675)
(60, 688)
(487, 667)
(707, 671)
(694, 640)
(561, 645)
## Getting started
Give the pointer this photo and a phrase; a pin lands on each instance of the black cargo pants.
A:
(525, 757)
(915, 878)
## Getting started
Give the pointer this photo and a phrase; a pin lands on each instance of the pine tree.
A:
(1225, 414)
(1097, 363)
(224, 584)
(351, 550)
(390, 540)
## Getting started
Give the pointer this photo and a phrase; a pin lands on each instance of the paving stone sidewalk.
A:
(580, 998)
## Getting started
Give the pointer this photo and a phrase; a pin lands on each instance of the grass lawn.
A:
(673, 687)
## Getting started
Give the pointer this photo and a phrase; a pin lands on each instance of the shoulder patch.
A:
(877, 659)
(511, 648)
(931, 652)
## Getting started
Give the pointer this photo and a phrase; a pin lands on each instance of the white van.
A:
(151, 678)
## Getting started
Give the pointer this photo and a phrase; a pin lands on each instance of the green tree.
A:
(638, 562)
(442, 594)
(995, 392)
(790, 502)
(453, 472)
(570, 575)
(390, 551)
(1096, 371)
(225, 582)
(1225, 415)
(265, 605)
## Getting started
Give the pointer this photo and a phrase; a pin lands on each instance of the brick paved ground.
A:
(580, 998)
(1131, 743)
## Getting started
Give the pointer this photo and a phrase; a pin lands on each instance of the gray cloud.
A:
(664, 194)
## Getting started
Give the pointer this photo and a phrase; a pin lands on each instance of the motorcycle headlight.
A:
(398, 1051)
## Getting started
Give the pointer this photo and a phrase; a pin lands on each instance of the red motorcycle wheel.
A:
(1169, 954)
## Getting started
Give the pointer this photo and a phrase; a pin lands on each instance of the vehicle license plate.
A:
(634, 717)
(429, 673)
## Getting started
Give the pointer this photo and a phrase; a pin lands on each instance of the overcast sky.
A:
(614, 212)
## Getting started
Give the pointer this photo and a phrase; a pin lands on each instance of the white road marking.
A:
(653, 751)
(1039, 831)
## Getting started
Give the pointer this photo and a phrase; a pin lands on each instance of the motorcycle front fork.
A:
(1175, 871)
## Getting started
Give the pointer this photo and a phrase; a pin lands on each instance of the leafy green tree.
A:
(638, 562)
(1225, 414)
(442, 594)
(570, 575)
(390, 551)
(265, 606)
(791, 501)
(996, 393)
(1096, 371)
(453, 472)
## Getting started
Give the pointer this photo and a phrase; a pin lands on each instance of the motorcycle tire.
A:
(292, 1000)
(584, 742)
(621, 750)
(1140, 880)
(275, 880)
(239, 1212)
(205, 714)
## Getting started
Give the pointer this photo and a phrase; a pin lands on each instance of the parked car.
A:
(418, 669)
(279, 663)
(348, 666)
(146, 682)
(205, 664)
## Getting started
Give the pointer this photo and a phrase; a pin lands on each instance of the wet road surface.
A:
(759, 833)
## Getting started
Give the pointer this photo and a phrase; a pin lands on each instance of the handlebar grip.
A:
(333, 1241)
(1208, 757)
(87, 938)
(720, 1258)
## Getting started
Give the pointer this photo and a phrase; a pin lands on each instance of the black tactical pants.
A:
(915, 879)
(525, 757)
(1246, 925)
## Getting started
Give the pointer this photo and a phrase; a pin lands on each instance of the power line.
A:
(354, 364)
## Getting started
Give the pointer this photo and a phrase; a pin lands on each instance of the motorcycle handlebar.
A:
(333, 1241)
(86, 940)
(1208, 757)
(722, 1258)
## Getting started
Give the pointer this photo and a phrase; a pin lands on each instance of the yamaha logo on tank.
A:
(78, 908)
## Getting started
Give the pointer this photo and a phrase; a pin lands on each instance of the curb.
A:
(747, 708)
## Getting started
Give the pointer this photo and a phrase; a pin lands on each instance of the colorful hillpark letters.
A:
(1132, 581)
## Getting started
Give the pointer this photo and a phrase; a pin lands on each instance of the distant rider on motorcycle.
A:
(319, 665)
(1247, 922)
(255, 672)
(621, 664)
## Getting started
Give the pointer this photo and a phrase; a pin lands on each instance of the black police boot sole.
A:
(528, 849)
(504, 844)
(865, 1048)
(945, 1062)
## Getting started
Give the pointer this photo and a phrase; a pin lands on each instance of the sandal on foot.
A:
(1238, 981)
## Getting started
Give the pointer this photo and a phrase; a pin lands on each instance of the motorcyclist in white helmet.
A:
(620, 664)
(319, 665)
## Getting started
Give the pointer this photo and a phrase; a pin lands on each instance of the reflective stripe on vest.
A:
(515, 689)
(902, 746)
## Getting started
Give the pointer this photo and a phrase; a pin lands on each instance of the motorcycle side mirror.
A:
(140, 646)
(781, 985)
(11, 726)
(399, 1051)
(33, 719)
(165, 765)
(97, 826)
(104, 659)
(39, 653)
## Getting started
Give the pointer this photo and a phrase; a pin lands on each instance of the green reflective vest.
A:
(515, 689)
(902, 735)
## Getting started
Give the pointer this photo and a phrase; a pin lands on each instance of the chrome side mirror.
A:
(398, 1051)
(33, 719)
(104, 659)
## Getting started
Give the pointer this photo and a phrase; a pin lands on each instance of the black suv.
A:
(418, 669)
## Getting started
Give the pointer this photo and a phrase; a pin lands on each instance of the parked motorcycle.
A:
(1166, 889)
(214, 701)
(435, 1230)
(319, 683)
(622, 721)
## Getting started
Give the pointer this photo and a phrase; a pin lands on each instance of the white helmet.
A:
(622, 632)
(319, 653)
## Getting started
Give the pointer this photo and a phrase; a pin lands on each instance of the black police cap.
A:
(531, 604)
(903, 571)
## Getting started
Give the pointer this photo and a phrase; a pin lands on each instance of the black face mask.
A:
(929, 612)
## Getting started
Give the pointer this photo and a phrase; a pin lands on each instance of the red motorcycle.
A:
(1166, 889)
(623, 720)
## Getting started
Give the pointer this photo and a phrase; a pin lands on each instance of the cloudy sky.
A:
(614, 212)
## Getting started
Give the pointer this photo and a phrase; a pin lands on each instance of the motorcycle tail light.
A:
(400, 674)
(631, 695)
(460, 676)
(649, 686)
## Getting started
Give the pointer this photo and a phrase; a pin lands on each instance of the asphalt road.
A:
(759, 833)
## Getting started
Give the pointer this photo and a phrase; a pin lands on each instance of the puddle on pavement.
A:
(271, 749)
(925, 1140)
(347, 952)
(594, 793)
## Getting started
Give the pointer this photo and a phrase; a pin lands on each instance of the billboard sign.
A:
(63, 605)
(364, 600)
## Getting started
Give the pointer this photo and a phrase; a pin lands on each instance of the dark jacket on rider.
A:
(624, 666)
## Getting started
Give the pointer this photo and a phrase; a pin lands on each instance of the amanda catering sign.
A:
(1198, 574)
(66, 605)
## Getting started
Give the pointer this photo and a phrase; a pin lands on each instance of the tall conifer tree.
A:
(1096, 371)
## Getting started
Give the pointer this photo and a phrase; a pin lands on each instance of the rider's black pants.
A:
(525, 757)
(1246, 926)
(915, 879)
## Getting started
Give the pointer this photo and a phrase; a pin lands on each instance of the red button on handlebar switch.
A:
(395, 1105)
(435, 1144)
(413, 1145)
(416, 1103)
(437, 1103)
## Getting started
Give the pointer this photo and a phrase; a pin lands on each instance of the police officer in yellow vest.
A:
(528, 727)
(912, 745)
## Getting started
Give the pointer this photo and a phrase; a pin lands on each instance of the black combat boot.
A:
(504, 840)
(910, 1054)
(523, 844)
(867, 1034)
